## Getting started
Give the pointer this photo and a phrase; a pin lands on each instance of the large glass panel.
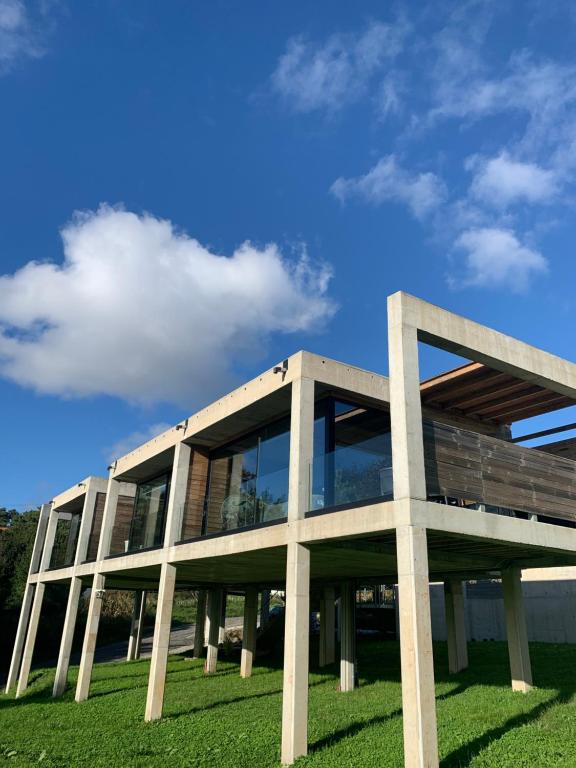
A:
(65, 540)
(356, 463)
(147, 529)
(248, 482)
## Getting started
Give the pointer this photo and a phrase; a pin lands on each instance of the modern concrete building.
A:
(314, 477)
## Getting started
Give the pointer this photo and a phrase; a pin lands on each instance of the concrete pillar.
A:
(327, 627)
(347, 637)
(135, 640)
(161, 643)
(30, 639)
(405, 406)
(301, 448)
(222, 625)
(49, 541)
(264, 607)
(177, 499)
(249, 631)
(296, 650)
(455, 625)
(63, 664)
(213, 617)
(418, 694)
(518, 649)
(86, 523)
(28, 598)
(97, 591)
(90, 636)
(200, 629)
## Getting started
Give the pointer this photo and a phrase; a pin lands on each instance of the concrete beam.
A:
(296, 650)
(347, 637)
(418, 694)
(249, 631)
(455, 626)
(518, 649)
(161, 643)
(30, 640)
(63, 664)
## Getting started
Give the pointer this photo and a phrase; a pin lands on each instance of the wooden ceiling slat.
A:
(525, 413)
(534, 396)
(488, 395)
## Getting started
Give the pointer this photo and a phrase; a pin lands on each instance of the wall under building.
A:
(550, 611)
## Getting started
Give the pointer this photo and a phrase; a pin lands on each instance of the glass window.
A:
(352, 454)
(248, 481)
(147, 528)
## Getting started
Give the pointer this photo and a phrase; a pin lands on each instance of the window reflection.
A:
(147, 528)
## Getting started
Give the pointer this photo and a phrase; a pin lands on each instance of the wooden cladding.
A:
(478, 468)
(122, 524)
(195, 494)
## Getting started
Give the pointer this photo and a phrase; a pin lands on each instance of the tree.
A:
(16, 542)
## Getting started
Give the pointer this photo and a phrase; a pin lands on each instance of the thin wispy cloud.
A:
(329, 75)
(387, 182)
(23, 28)
(444, 75)
(135, 298)
(127, 443)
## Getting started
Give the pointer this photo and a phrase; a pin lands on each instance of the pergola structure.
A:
(197, 508)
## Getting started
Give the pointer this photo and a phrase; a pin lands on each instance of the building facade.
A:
(312, 478)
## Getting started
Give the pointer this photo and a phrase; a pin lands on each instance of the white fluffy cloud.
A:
(329, 75)
(387, 181)
(496, 258)
(143, 312)
(501, 181)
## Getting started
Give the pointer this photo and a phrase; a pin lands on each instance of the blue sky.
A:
(190, 192)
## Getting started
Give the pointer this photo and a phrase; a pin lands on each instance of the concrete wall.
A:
(550, 611)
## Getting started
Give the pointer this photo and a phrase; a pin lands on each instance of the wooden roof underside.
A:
(480, 392)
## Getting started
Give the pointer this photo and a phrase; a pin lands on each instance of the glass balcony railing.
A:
(258, 500)
(349, 475)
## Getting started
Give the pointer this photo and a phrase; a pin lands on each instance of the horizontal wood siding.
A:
(122, 523)
(195, 494)
(480, 468)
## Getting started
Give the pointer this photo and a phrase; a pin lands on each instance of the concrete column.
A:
(327, 627)
(249, 631)
(63, 664)
(86, 523)
(28, 598)
(264, 607)
(222, 625)
(49, 540)
(135, 640)
(108, 517)
(296, 650)
(518, 649)
(90, 635)
(161, 643)
(455, 625)
(405, 405)
(177, 499)
(213, 616)
(301, 447)
(347, 637)
(200, 629)
(30, 639)
(418, 694)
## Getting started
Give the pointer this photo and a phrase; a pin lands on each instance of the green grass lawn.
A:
(223, 721)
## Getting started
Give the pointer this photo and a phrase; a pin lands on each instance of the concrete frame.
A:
(410, 518)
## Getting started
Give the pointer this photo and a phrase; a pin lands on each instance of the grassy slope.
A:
(225, 721)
